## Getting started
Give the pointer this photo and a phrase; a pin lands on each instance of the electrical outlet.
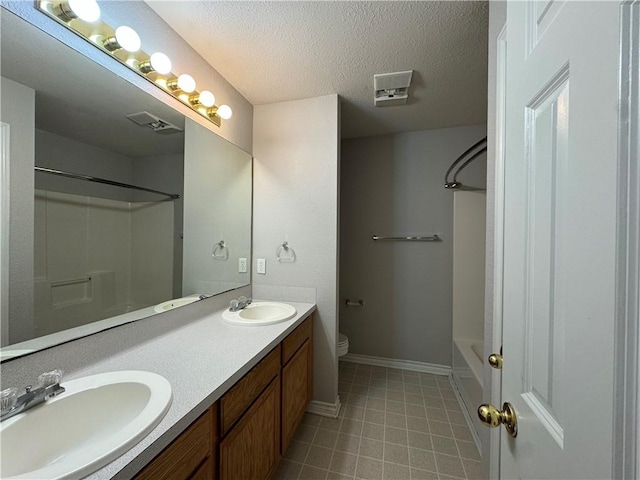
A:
(242, 265)
(262, 266)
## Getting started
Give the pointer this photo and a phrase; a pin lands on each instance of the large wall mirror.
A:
(120, 207)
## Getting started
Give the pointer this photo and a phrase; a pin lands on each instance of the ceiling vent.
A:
(391, 88)
(145, 119)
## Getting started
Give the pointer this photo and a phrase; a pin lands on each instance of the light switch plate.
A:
(262, 266)
(242, 265)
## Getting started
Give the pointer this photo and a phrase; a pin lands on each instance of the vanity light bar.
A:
(122, 43)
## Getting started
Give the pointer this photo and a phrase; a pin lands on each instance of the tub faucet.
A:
(239, 304)
(12, 404)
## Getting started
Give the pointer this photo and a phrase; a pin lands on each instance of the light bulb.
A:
(207, 98)
(87, 10)
(160, 63)
(186, 83)
(128, 39)
(224, 112)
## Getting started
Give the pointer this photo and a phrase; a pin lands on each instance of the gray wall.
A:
(393, 185)
(295, 198)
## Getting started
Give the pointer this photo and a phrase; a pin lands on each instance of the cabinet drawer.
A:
(181, 459)
(296, 339)
(236, 401)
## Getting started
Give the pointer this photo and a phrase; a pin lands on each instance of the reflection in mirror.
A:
(85, 255)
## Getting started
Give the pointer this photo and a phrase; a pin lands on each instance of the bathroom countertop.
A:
(201, 360)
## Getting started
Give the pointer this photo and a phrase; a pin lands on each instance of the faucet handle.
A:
(8, 399)
(50, 378)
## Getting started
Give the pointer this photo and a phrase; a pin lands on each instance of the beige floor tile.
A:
(418, 424)
(378, 382)
(449, 465)
(344, 463)
(395, 435)
(351, 426)
(412, 388)
(325, 438)
(395, 420)
(288, 470)
(423, 475)
(373, 430)
(356, 400)
(468, 450)
(338, 476)
(396, 407)
(305, 433)
(440, 428)
(311, 419)
(358, 380)
(297, 451)
(461, 432)
(431, 392)
(359, 389)
(347, 443)
(420, 440)
(432, 402)
(377, 393)
(456, 417)
(474, 470)
(396, 454)
(444, 445)
(414, 399)
(437, 414)
(452, 405)
(319, 457)
(422, 459)
(416, 411)
(374, 416)
(331, 423)
(392, 471)
(312, 473)
(369, 469)
(398, 386)
(376, 403)
(371, 448)
(395, 395)
(356, 413)
(442, 476)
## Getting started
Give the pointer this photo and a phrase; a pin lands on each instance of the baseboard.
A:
(394, 363)
(325, 409)
(467, 415)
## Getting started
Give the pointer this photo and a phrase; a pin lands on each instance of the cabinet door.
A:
(251, 450)
(296, 391)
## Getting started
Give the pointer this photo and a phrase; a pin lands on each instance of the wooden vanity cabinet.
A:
(244, 434)
(190, 456)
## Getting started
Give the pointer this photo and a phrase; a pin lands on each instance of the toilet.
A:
(343, 344)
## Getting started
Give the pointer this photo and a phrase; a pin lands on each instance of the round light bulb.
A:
(128, 39)
(160, 63)
(224, 112)
(87, 10)
(186, 83)
(207, 98)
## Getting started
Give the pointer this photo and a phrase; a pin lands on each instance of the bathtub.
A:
(467, 374)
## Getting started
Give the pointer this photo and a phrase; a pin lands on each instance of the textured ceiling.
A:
(274, 51)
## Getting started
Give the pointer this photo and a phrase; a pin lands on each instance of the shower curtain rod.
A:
(88, 178)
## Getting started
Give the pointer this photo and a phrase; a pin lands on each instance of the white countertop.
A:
(201, 359)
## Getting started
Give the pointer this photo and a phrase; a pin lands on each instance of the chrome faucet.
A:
(239, 304)
(49, 386)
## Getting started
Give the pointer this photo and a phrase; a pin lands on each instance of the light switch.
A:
(262, 266)
(242, 265)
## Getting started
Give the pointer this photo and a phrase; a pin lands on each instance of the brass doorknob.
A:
(492, 417)
(495, 360)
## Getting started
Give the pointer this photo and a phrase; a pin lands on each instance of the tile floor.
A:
(393, 425)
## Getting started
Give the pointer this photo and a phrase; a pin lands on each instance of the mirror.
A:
(138, 210)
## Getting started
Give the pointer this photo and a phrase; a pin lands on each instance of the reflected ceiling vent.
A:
(145, 119)
(391, 88)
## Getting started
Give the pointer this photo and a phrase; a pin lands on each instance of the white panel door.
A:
(560, 238)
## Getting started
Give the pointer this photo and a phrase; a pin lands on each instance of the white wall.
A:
(18, 111)
(296, 175)
(392, 185)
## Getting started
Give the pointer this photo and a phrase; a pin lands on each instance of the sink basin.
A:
(96, 420)
(260, 313)
(175, 303)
